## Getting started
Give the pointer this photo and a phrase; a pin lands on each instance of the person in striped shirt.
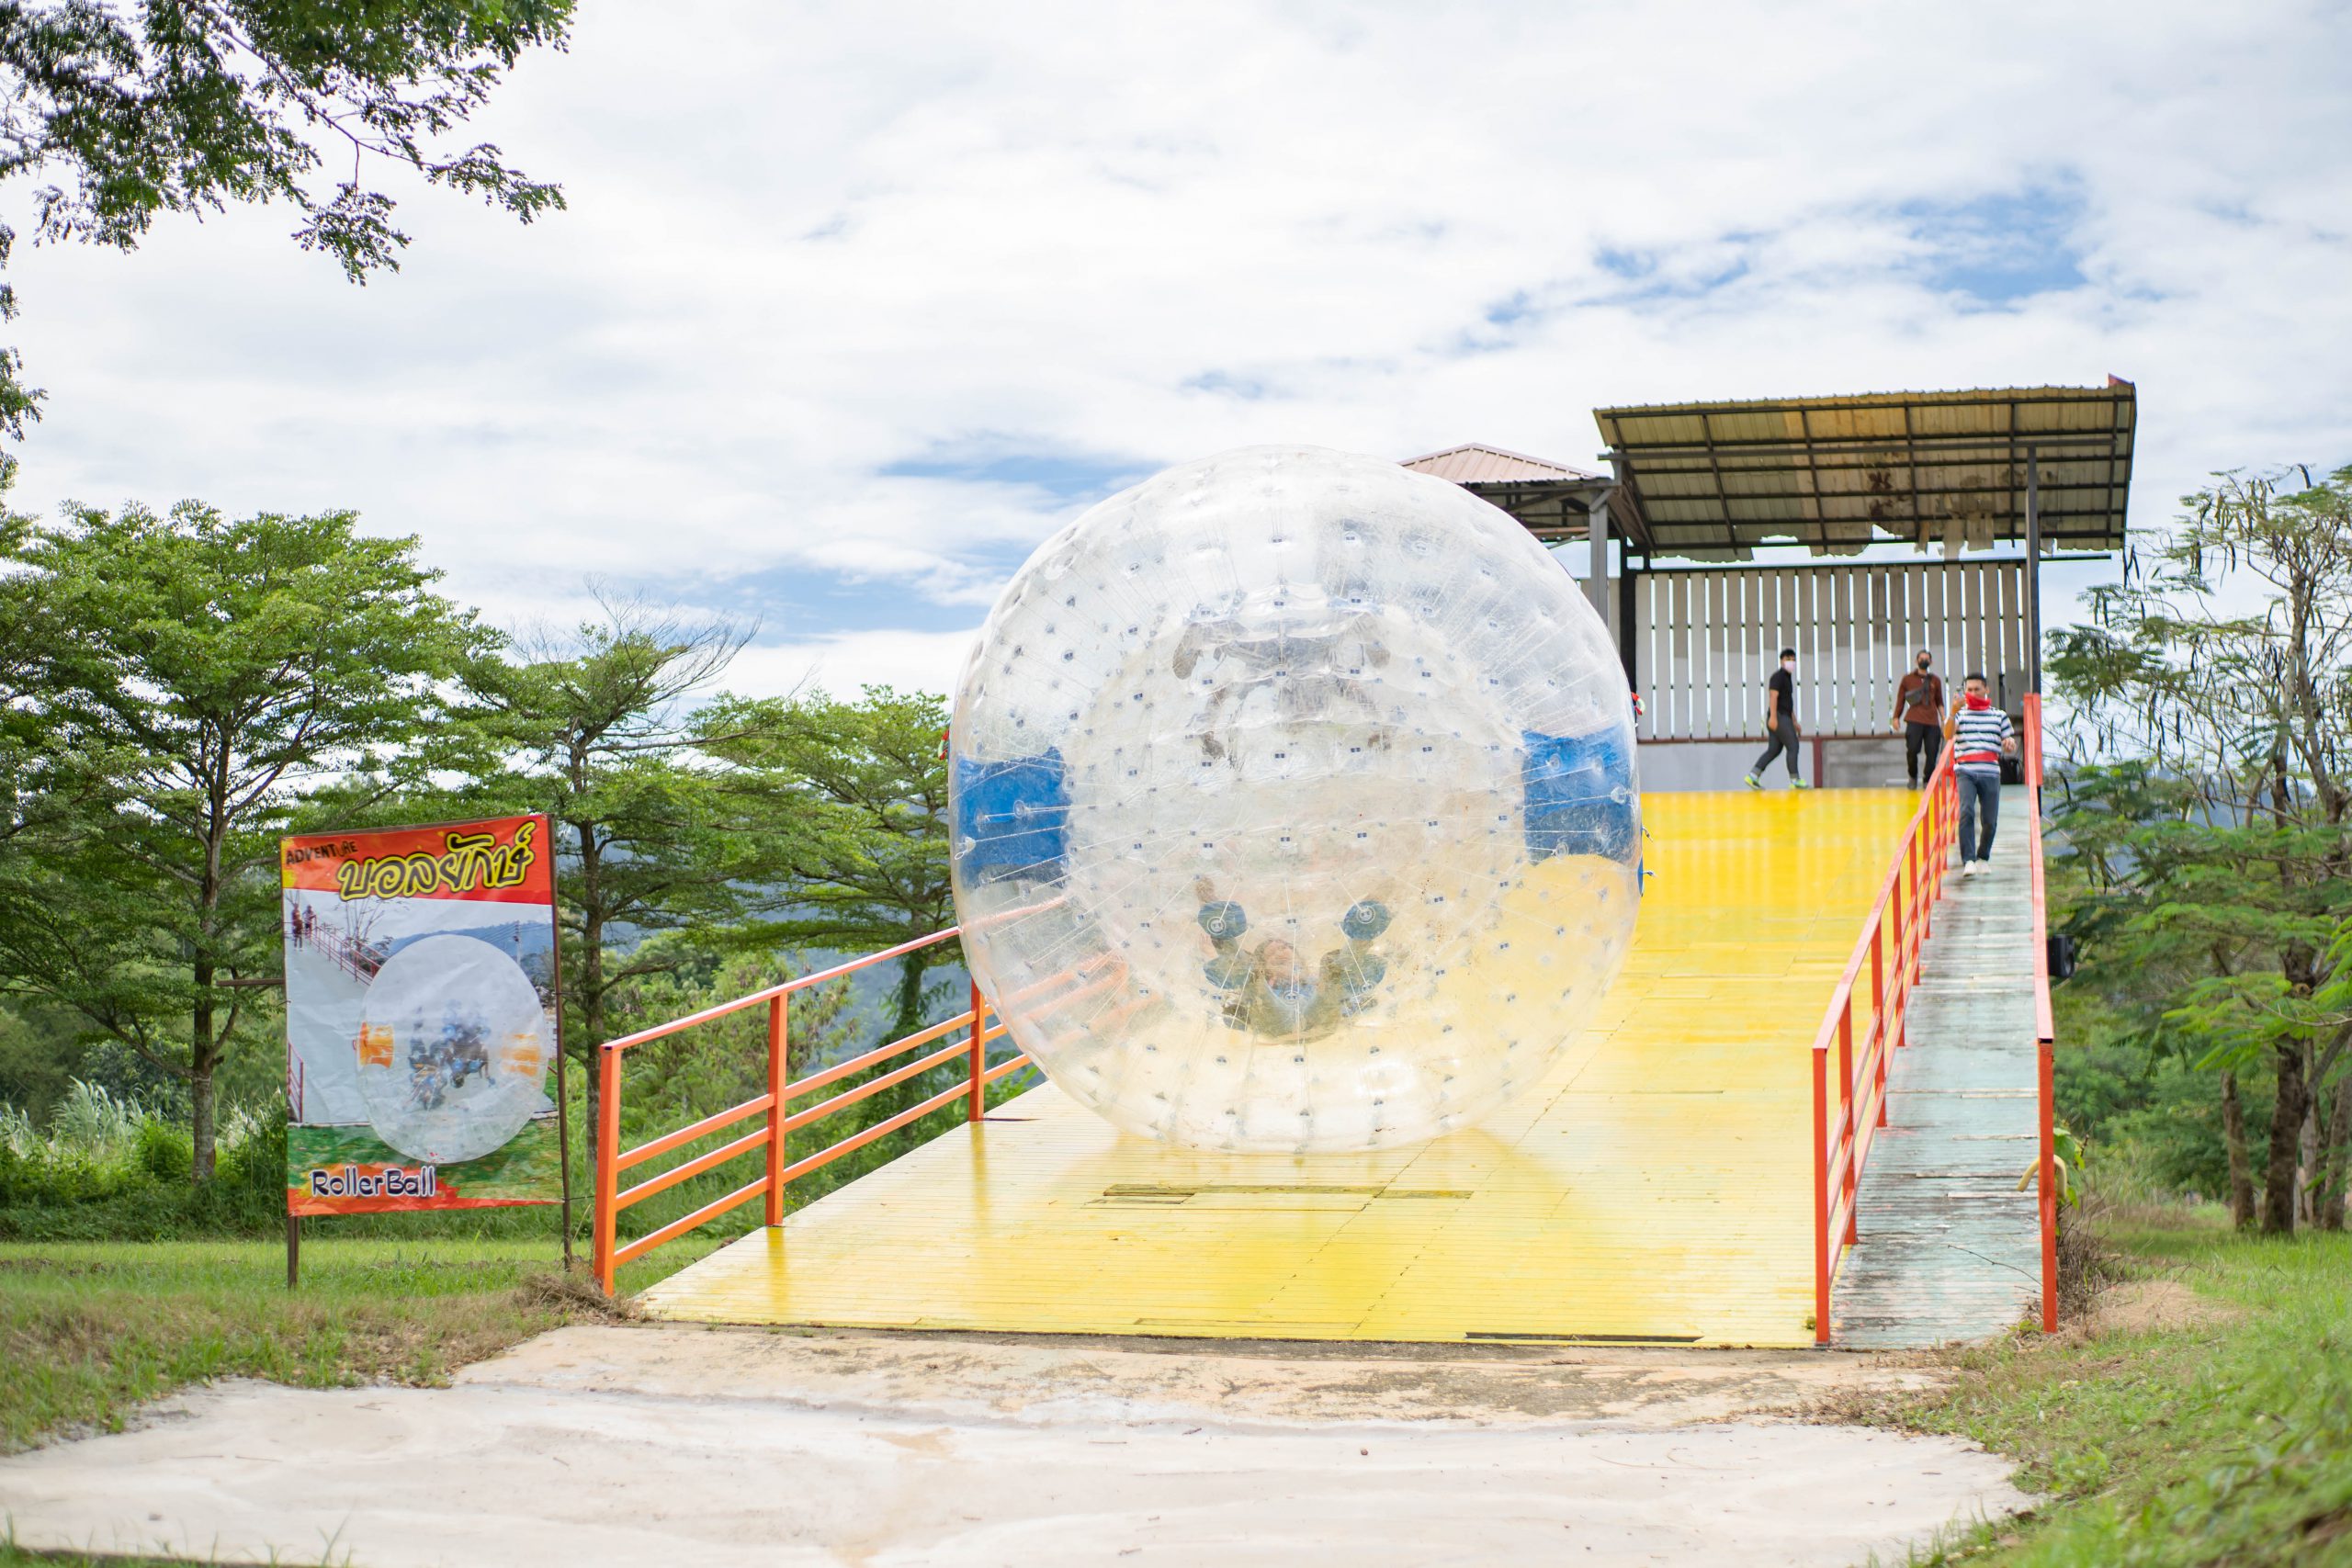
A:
(1980, 736)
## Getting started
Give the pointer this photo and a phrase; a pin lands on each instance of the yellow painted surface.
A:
(1655, 1186)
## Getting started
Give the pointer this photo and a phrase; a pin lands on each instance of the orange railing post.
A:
(1907, 898)
(2044, 1026)
(779, 1070)
(1846, 1099)
(2043, 1068)
(1878, 1038)
(608, 1140)
(977, 1105)
(777, 1121)
(1821, 1249)
(1903, 917)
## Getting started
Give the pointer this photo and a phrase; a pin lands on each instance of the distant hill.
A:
(520, 939)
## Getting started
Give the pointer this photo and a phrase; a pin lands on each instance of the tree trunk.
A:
(200, 1122)
(2286, 1138)
(2336, 1161)
(205, 1046)
(910, 1018)
(201, 1059)
(589, 999)
(2234, 1136)
(2307, 1142)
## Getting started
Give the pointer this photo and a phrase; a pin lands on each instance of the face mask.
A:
(1923, 667)
(1789, 664)
(1979, 704)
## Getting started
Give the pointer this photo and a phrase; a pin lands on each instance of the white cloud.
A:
(841, 663)
(808, 245)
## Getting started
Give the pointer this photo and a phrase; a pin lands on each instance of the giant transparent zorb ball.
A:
(1294, 805)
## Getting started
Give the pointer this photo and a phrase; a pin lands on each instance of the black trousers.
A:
(1784, 738)
(1919, 739)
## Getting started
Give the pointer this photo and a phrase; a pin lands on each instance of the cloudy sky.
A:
(855, 304)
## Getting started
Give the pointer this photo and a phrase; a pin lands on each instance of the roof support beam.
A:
(2032, 572)
(1596, 583)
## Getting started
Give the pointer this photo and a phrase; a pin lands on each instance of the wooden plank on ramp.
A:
(1950, 1249)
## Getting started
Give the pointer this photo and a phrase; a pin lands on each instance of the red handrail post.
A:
(1879, 1027)
(769, 1138)
(2049, 1184)
(1820, 1197)
(1932, 858)
(2044, 1026)
(1846, 1109)
(779, 1059)
(1903, 919)
(977, 1106)
(608, 1149)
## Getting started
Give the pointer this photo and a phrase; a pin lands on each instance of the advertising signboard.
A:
(421, 1018)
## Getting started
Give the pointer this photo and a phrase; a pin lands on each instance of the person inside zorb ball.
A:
(1294, 805)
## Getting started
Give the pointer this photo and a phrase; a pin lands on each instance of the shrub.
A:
(107, 1168)
(164, 1150)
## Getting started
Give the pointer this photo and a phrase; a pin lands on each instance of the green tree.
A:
(865, 784)
(204, 685)
(655, 833)
(2209, 794)
(188, 105)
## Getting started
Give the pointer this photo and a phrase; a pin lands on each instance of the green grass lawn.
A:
(2222, 1441)
(90, 1329)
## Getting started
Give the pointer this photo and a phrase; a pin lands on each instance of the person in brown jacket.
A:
(1920, 714)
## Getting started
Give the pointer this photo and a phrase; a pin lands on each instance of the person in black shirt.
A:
(1780, 721)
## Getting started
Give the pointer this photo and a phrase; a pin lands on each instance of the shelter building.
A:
(1902, 500)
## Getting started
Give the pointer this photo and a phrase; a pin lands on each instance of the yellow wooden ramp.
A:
(1655, 1188)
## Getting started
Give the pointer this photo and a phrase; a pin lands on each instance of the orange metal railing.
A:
(2045, 1028)
(1892, 933)
(968, 1034)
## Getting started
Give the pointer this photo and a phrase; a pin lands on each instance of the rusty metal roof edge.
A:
(2118, 392)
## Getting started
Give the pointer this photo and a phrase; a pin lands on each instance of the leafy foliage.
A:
(190, 105)
(2067, 1161)
(112, 1169)
(866, 784)
(653, 834)
(203, 685)
(2207, 792)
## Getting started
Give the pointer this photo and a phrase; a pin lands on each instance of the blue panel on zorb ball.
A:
(1296, 806)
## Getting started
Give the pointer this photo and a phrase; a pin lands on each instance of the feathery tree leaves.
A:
(200, 686)
(188, 106)
(653, 833)
(2208, 796)
(865, 786)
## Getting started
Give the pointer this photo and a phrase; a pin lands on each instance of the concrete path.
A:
(660, 1444)
(1951, 1250)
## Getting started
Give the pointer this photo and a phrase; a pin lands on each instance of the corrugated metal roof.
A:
(1553, 501)
(1476, 465)
(1713, 480)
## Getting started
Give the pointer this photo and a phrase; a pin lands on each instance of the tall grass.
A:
(105, 1167)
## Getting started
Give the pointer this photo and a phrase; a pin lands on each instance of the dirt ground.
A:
(640, 1443)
